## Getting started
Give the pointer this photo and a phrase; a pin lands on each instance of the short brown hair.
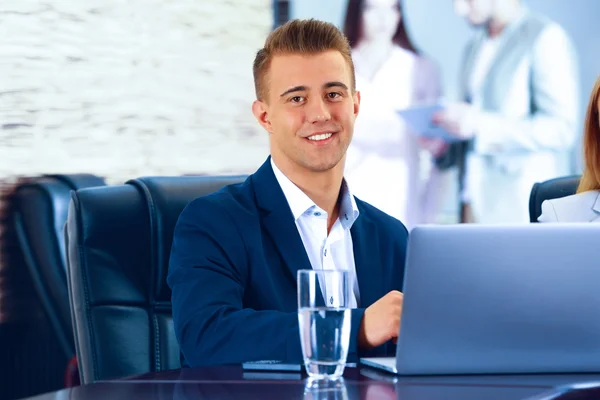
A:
(590, 179)
(300, 37)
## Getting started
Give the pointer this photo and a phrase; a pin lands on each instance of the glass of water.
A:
(324, 318)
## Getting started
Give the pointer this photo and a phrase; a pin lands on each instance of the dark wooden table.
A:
(358, 383)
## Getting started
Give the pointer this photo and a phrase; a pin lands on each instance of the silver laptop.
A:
(499, 299)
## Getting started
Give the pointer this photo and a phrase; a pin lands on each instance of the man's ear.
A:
(261, 113)
(356, 98)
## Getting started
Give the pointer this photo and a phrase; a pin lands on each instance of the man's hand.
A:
(381, 321)
(458, 119)
(436, 147)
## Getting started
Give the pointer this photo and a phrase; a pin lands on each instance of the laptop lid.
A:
(501, 299)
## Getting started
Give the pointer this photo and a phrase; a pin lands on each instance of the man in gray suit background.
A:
(518, 117)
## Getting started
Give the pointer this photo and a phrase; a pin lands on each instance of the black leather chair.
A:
(119, 242)
(39, 215)
(548, 190)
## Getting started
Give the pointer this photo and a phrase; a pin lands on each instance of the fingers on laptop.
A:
(381, 321)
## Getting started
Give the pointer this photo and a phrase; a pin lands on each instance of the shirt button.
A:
(325, 253)
(317, 214)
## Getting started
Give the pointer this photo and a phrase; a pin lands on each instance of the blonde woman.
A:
(585, 205)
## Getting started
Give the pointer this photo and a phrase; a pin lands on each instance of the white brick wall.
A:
(125, 88)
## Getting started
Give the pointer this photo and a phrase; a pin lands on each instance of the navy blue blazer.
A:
(233, 267)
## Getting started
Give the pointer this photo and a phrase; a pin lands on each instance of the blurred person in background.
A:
(585, 205)
(518, 117)
(387, 166)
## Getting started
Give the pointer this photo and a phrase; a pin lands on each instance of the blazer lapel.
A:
(278, 220)
(505, 60)
(367, 259)
(596, 209)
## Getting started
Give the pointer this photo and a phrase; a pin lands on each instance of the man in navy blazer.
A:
(236, 252)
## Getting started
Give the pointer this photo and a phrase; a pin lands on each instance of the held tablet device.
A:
(420, 121)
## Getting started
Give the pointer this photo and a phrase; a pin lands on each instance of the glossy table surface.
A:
(358, 383)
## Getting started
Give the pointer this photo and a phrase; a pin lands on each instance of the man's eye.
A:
(333, 95)
(296, 99)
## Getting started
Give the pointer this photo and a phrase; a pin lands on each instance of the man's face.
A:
(309, 110)
(477, 12)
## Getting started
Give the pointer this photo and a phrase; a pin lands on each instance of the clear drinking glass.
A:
(324, 318)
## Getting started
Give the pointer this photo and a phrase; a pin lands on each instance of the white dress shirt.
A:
(325, 252)
(483, 61)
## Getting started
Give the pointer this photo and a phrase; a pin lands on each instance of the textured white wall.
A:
(123, 88)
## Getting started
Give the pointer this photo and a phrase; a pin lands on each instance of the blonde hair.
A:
(299, 37)
(590, 180)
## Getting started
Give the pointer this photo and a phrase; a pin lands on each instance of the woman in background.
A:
(585, 205)
(384, 163)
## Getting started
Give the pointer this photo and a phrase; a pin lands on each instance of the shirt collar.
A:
(300, 203)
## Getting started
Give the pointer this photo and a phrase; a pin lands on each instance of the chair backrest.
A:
(39, 215)
(119, 241)
(548, 190)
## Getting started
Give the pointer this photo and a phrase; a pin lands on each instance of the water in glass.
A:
(325, 336)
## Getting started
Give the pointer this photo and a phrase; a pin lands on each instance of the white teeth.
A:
(322, 136)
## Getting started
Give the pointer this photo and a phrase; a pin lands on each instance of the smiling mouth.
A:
(320, 137)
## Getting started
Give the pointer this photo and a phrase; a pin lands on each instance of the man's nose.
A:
(317, 111)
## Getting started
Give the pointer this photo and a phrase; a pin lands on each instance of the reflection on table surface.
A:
(357, 383)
